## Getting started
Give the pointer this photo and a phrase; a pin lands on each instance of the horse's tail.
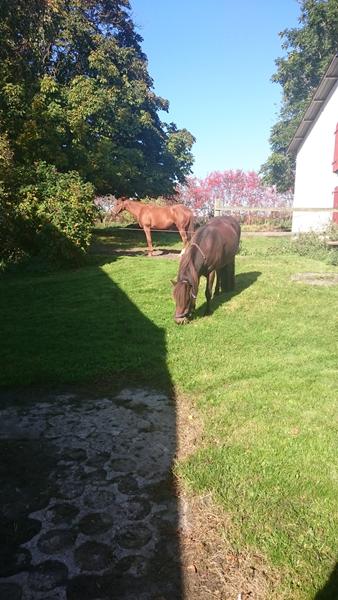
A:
(191, 227)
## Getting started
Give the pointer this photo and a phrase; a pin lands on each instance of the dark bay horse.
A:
(150, 216)
(211, 251)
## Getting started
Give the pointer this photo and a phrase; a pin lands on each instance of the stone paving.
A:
(88, 510)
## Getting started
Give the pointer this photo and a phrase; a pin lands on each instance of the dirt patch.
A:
(106, 250)
(323, 279)
(211, 568)
(170, 254)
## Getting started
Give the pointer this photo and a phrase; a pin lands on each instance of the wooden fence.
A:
(220, 208)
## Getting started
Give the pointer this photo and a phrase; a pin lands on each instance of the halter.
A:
(194, 296)
(185, 314)
(204, 257)
(188, 282)
(198, 248)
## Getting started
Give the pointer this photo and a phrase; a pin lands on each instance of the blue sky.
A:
(213, 61)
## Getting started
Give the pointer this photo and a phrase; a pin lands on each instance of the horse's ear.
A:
(173, 281)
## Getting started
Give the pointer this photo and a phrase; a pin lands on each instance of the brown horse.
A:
(211, 251)
(150, 216)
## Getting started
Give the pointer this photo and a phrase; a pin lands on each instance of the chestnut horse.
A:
(150, 216)
(211, 251)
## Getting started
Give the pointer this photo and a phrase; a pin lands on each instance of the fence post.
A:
(217, 208)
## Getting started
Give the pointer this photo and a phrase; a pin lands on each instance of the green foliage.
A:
(55, 214)
(9, 248)
(279, 170)
(309, 50)
(51, 216)
(311, 245)
(6, 155)
(331, 232)
(314, 245)
(75, 93)
(333, 257)
(308, 245)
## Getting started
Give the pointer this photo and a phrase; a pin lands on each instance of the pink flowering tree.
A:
(233, 189)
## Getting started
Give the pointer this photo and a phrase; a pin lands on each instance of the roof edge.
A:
(318, 100)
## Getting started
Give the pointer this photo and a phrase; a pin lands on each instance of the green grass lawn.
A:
(262, 370)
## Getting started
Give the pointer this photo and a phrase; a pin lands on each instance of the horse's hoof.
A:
(182, 321)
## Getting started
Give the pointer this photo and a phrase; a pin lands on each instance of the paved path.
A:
(87, 504)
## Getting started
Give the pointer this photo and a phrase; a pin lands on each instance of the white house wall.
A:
(315, 180)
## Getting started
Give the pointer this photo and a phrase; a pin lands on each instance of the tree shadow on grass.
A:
(87, 496)
(330, 589)
(242, 282)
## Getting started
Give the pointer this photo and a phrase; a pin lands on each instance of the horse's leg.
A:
(208, 290)
(149, 241)
(232, 278)
(183, 235)
(190, 228)
(224, 279)
(228, 277)
(218, 283)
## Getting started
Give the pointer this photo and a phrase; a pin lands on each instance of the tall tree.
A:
(75, 92)
(309, 49)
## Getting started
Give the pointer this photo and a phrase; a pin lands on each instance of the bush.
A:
(331, 232)
(55, 215)
(310, 244)
(313, 245)
(8, 250)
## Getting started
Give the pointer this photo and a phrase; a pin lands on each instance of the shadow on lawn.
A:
(242, 282)
(96, 475)
(330, 590)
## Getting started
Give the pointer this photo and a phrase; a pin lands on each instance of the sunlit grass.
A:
(262, 370)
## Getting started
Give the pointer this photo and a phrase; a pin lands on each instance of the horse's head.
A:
(119, 206)
(185, 301)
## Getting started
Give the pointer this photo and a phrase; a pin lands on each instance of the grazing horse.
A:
(150, 216)
(211, 251)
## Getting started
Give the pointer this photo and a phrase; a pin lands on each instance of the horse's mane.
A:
(181, 293)
(187, 269)
(185, 259)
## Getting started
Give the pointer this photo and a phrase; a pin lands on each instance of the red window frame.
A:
(335, 205)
